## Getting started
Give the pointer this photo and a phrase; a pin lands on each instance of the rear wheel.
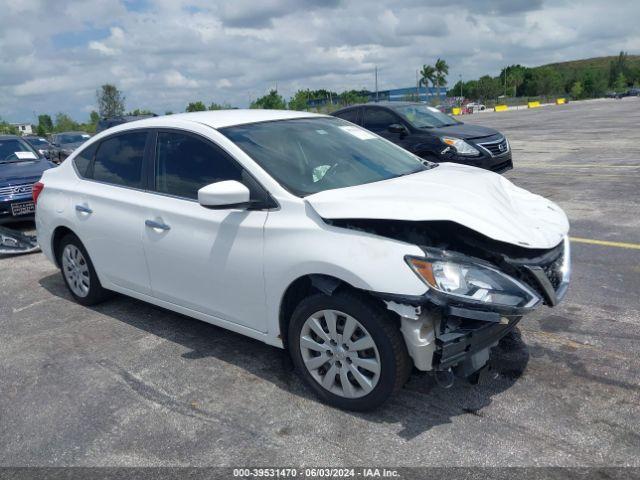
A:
(348, 350)
(78, 272)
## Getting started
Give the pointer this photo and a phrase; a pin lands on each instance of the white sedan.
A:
(308, 233)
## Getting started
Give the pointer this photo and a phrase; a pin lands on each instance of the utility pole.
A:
(376, 83)
(505, 82)
(460, 82)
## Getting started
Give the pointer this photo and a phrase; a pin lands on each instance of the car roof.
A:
(385, 103)
(221, 118)
(9, 137)
(73, 132)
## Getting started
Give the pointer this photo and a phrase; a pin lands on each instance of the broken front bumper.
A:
(441, 338)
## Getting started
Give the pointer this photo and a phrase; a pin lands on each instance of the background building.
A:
(23, 128)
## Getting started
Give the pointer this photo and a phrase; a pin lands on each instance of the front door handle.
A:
(157, 225)
(83, 209)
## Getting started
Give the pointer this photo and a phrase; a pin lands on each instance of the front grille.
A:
(16, 189)
(553, 273)
(495, 148)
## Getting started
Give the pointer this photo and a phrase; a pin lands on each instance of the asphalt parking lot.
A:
(129, 384)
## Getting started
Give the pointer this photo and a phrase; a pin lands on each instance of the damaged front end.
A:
(478, 290)
(13, 242)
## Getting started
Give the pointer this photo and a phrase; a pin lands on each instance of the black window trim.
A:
(98, 143)
(268, 202)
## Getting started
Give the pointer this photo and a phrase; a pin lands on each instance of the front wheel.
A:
(348, 350)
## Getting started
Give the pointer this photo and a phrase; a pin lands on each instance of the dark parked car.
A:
(66, 143)
(433, 135)
(20, 167)
(105, 123)
(42, 145)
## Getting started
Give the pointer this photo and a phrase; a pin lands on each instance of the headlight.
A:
(462, 147)
(472, 282)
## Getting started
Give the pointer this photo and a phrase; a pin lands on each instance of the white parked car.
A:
(308, 233)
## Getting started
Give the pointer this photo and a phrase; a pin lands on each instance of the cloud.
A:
(165, 53)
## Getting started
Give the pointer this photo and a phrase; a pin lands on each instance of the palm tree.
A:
(441, 71)
(427, 75)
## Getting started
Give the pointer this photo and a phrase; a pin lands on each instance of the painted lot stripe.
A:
(572, 165)
(606, 243)
(584, 174)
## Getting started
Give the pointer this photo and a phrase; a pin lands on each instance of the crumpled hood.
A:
(478, 199)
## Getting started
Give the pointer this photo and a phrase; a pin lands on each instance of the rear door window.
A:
(119, 160)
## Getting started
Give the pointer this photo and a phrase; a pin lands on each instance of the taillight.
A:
(36, 190)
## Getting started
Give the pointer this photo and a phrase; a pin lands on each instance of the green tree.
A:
(272, 100)
(300, 99)
(427, 76)
(441, 71)
(487, 88)
(576, 90)
(7, 129)
(594, 83)
(110, 101)
(196, 107)
(620, 85)
(618, 66)
(40, 131)
(218, 106)
(45, 124)
(137, 112)
(352, 97)
(544, 81)
(64, 123)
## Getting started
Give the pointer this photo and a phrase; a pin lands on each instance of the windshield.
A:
(311, 155)
(72, 138)
(37, 141)
(16, 150)
(423, 116)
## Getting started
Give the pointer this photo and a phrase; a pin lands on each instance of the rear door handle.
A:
(83, 209)
(157, 225)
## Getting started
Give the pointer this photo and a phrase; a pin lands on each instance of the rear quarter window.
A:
(84, 158)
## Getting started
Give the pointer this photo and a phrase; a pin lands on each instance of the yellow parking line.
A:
(606, 243)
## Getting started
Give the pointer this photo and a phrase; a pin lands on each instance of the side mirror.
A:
(397, 128)
(227, 194)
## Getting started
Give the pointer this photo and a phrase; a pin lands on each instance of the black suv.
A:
(432, 135)
(108, 122)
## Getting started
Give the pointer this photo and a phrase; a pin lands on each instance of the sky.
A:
(165, 53)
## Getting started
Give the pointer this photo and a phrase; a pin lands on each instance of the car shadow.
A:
(421, 405)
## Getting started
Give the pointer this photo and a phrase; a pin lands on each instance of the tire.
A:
(78, 272)
(375, 326)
